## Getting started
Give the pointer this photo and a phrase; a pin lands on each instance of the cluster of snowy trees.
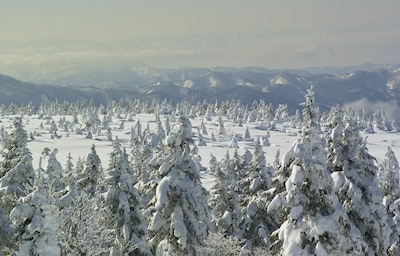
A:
(325, 196)
(85, 210)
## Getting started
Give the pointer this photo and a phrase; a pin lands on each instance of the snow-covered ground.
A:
(79, 146)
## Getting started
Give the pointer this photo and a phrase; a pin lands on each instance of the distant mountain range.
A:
(379, 85)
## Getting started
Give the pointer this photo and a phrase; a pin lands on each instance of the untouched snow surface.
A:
(281, 138)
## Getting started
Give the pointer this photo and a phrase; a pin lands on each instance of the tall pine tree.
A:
(181, 216)
(255, 227)
(121, 199)
(315, 222)
(356, 185)
(16, 178)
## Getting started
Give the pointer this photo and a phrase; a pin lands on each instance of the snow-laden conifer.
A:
(160, 130)
(53, 173)
(88, 179)
(121, 200)
(389, 185)
(144, 173)
(221, 127)
(254, 226)
(314, 221)
(181, 216)
(389, 180)
(203, 128)
(246, 135)
(200, 140)
(35, 226)
(167, 125)
(82, 226)
(16, 170)
(356, 185)
(225, 201)
(233, 143)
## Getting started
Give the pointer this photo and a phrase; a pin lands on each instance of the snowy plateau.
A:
(221, 178)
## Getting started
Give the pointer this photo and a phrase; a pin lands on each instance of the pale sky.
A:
(206, 33)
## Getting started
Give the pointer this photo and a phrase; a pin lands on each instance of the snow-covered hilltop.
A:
(142, 178)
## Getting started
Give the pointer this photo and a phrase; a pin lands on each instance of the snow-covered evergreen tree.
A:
(334, 143)
(314, 220)
(389, 181)
(235, 167)
(167, 125)
(203, 128)
(148, 180)
(208, 115)
(356, 185)
(380, 121)
(221, 127)
(246, 135)
(160, 130)
(181, 216)
(246, 158)
(82, 226)
(212, 137)
(141, 156)
(88, 179)
(53, 173)
(389, 185)
(13, 151)
(200, 140)
(90, 119)
(225, 202)
(109, 134)
(69, 177)
(254, 226)
(16, 170)
(122, 201)
(233, 143)
(35, 226)
(265, 141)
(394, 125)
(213, 164)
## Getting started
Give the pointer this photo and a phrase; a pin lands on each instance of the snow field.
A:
(79, 146)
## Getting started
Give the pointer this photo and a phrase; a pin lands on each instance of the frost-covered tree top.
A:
(53, 172)
(311, 129)
(181, 134)
(335, 141)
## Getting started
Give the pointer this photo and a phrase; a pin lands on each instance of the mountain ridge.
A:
(215, 84)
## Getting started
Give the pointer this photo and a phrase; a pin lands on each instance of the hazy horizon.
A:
(177, 33)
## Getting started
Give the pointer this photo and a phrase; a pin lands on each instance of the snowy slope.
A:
(79, 146)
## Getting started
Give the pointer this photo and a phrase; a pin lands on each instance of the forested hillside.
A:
(157, 178)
